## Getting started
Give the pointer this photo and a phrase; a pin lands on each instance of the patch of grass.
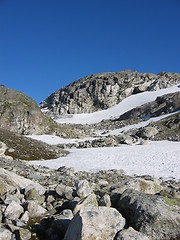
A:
(172, 201)
(21, 147)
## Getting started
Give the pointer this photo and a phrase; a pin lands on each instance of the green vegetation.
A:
(21, 147)
(172, 201)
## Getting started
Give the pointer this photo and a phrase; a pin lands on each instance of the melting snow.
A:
(159, 159)
(119, 109)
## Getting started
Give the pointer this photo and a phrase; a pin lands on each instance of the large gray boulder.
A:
(149, 214)
(17, 181)
(13, 211)
(83, 188)
(34, 209)
(64, 191)
(5, 234)
(95, 223)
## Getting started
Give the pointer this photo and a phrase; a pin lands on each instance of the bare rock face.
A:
(95, 223)
(149, 214)
(101, 91)
(165, 104)
(21, 114)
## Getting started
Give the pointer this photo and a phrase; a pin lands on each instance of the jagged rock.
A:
(89, 200)
(131, 234)
(149, 214)
(5, 234)
(83, 188)
(34, 209)
(64, 191)
(105, 200)
(17, 181)
(32, 194)
(23, 234)
(4, 187)
(13, 211)
(149, 186)
(14, 196)
(95, 223)
(25, 217)
(101, 91)
(147, 133)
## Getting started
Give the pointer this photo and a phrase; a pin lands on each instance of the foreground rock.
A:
(150, 215)
(46, 204)
(95, 223)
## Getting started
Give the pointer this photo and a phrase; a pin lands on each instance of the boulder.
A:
(95, 223)
(25, 217)
(83, 188)
(147, 132)
(23, 234)
(90, 200)
(34, 209)
(5, 187)
(5, 234)
(13, 211)
(105, 200)
(64, 191)
(32, 194)
(147, 185)
(131, 234)
(149, 214)
(17, 181)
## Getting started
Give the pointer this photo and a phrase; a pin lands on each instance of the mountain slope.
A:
(101, 91)
(21, 114)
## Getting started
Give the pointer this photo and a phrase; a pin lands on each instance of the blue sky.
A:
(47, 44)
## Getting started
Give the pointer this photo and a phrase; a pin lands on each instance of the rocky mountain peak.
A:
(104, 90)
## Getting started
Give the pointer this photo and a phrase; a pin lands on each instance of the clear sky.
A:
(47, 44)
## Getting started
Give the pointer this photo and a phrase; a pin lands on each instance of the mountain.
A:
(123, 166)
(104, 90)
(21, 114)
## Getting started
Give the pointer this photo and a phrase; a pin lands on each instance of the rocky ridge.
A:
(101, 91)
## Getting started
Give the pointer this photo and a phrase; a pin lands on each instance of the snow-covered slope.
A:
(115, 111)
(159, 159)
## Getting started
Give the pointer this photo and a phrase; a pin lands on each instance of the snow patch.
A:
(159, 159)
(125, 105)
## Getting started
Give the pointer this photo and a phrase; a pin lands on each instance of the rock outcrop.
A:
(149, 214)
(21, 114)
(101, 91)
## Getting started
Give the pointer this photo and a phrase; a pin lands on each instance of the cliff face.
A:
(20, 113)
(101, 91)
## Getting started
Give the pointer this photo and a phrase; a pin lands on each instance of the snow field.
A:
(158, 159)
